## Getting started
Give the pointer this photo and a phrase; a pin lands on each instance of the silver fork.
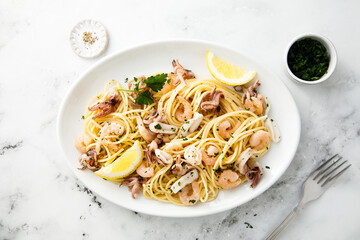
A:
(314, 186)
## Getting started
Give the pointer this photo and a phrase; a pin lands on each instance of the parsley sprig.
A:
(155, 83)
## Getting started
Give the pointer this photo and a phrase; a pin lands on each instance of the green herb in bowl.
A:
(308, 59)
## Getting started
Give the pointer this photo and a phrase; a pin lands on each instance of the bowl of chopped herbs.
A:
(310, 58)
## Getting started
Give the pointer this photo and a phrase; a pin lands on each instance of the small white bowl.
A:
(330, 49)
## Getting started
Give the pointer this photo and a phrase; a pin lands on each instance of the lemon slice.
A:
(227, 73)
(123, 165)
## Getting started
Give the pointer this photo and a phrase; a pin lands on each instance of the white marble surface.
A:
(41, 199)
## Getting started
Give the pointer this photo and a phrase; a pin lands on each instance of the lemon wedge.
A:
(227, 73)
(123, 165)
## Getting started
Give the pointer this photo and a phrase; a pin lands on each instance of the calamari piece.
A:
(211, 101)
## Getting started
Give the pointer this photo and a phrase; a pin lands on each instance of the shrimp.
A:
(229, 179)
(108, 106)
(82, 141)
(181, 73)
(186, 114)
(88, 160)
(259, 140)
(255, 104)
(252, 101)
(174, 146)
(225, 130)
(192, 199)
(193, 155)
(144, 132)
(210, 156)
(144, 171)
(168, 86)
(109, 128)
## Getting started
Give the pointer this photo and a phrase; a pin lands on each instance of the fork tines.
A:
(326, 172)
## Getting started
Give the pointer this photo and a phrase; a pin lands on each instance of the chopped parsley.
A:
(158, 126)
(308, 59)
(192, 201)
(248, 225)
(185, 139)
(82, 117)
(267, 167)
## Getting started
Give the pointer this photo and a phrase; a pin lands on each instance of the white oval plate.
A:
(156, 57)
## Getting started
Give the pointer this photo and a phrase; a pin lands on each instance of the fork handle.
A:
(283, 225)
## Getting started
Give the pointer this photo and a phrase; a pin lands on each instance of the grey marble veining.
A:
(40, 198)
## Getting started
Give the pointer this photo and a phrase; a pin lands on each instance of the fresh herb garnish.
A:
(155, 83)
(308, 59)
(192, 201)
(82, 117)
(158, 126)
(144, 98)
(267, 167)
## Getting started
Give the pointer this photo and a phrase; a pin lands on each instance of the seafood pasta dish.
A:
(176, 138)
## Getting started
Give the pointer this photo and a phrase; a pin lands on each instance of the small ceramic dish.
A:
(89, 38)
(330, 50)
